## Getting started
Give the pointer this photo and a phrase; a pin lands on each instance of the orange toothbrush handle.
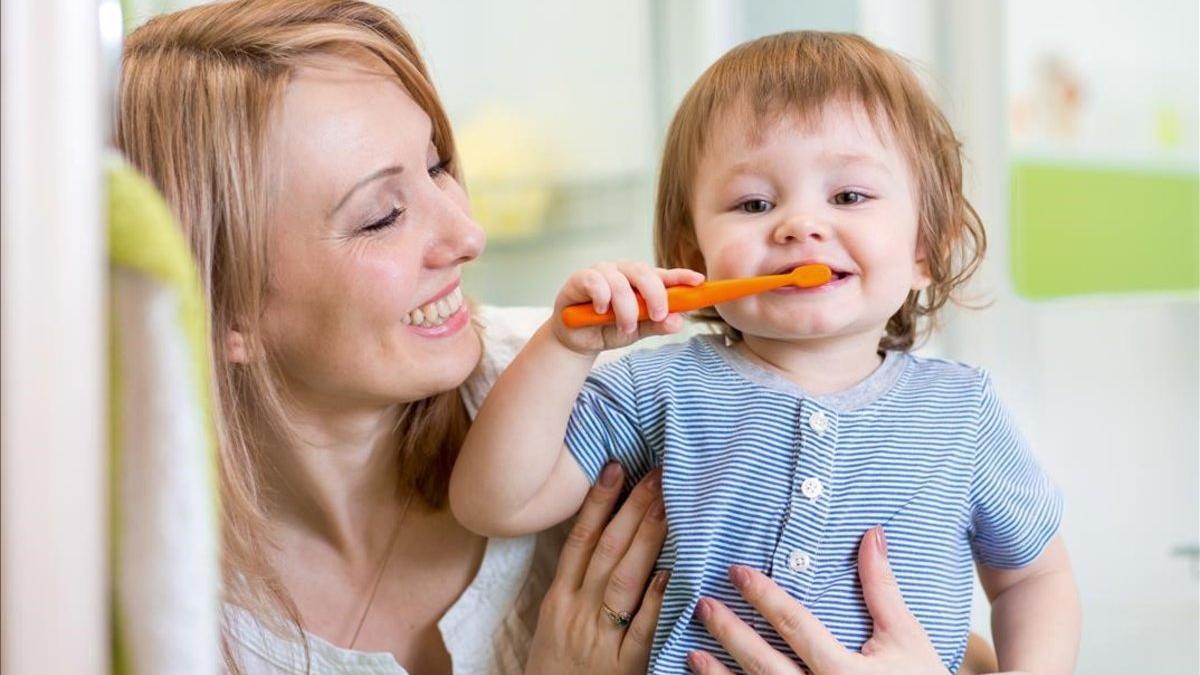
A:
(687, 298)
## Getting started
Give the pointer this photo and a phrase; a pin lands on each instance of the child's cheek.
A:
(738, 257)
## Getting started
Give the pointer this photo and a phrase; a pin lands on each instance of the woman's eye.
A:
(755, 206)
(849, 198)
(440, 169)
(385, 221)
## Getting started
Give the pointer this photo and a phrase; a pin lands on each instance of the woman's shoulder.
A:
(504, 331)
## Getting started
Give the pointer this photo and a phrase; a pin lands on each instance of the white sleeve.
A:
(504, 331)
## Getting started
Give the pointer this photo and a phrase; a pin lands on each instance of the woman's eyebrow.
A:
(382, 173)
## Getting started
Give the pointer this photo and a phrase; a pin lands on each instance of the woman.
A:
(308, 158)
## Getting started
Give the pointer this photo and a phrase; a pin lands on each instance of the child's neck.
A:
(819, 366)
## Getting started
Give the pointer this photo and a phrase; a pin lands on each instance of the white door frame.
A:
(54, 604)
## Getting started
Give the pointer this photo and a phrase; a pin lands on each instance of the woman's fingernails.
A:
(658, 510)
(880, 540)
(739, 576)
(660, 580)
(608, 477)
(703, 610)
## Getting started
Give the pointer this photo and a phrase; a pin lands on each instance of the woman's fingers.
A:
(627, 582)
(703, 663)
(804, 632)
(619, 534)
(589, 525)
(635, 648)
(880, 589)
(745, 645)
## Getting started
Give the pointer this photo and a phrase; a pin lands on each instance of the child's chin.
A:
(790, 331)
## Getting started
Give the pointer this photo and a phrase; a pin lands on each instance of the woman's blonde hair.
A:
(198, 89)
(798, 74)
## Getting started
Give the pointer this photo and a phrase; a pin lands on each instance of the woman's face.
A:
(368, 235)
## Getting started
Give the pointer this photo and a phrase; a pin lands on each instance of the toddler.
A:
(804, 421)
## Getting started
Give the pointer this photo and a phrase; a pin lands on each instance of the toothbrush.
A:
(686, 298)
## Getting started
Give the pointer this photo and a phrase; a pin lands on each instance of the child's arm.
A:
(1035, 613)
(513, 475)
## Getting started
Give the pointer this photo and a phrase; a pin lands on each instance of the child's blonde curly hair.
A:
(799, 73)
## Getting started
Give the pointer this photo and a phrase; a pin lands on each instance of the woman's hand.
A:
(898, 645)
(599, 615)
(612, 285)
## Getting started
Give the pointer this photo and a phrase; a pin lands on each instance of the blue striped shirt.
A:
(756, 472)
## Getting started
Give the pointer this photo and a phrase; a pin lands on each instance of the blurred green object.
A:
(1084, 229)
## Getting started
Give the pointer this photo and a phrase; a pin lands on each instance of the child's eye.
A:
(755, 206)
(849, 198)
(385, 221)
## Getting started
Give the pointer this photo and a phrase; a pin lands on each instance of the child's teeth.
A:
(431, 312)
(443, 308)
(406, 319)
(418, 316)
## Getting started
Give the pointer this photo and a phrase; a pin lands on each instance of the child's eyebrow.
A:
(841, 159)
(743, 168)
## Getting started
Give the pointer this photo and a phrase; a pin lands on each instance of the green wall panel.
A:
(1079, 229)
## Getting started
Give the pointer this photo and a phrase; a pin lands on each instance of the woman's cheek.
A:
(387, 285)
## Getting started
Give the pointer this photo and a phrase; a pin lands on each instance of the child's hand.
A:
(613, 284)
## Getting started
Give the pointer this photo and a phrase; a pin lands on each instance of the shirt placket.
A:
(797, 556)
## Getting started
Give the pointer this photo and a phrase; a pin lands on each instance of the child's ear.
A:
(921, 275)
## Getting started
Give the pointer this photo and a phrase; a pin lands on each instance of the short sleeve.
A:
(610, 422)
(1015, 508)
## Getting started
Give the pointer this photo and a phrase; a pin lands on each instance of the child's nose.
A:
(799, 228)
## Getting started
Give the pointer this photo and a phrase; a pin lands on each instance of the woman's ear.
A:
(237, 348)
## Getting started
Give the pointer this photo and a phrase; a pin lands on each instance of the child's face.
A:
(833, 193)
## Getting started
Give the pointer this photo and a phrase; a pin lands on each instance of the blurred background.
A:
(1079, 119)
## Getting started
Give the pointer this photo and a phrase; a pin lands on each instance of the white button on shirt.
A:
(812, 488)
(799, 561)
(819, 422)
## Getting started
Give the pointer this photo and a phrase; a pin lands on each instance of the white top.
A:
(488, 629)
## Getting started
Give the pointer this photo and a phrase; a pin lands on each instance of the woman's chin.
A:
(446, 363)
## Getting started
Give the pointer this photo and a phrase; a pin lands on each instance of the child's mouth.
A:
(837, 275)
(837, 280)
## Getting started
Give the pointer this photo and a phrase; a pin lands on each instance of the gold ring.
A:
(618, 619)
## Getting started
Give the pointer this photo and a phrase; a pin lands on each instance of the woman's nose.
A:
(459, 238)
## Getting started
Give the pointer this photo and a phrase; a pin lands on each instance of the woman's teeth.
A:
(435, 313)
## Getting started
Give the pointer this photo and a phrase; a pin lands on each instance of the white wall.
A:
(1106, 388)
(575, 71)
